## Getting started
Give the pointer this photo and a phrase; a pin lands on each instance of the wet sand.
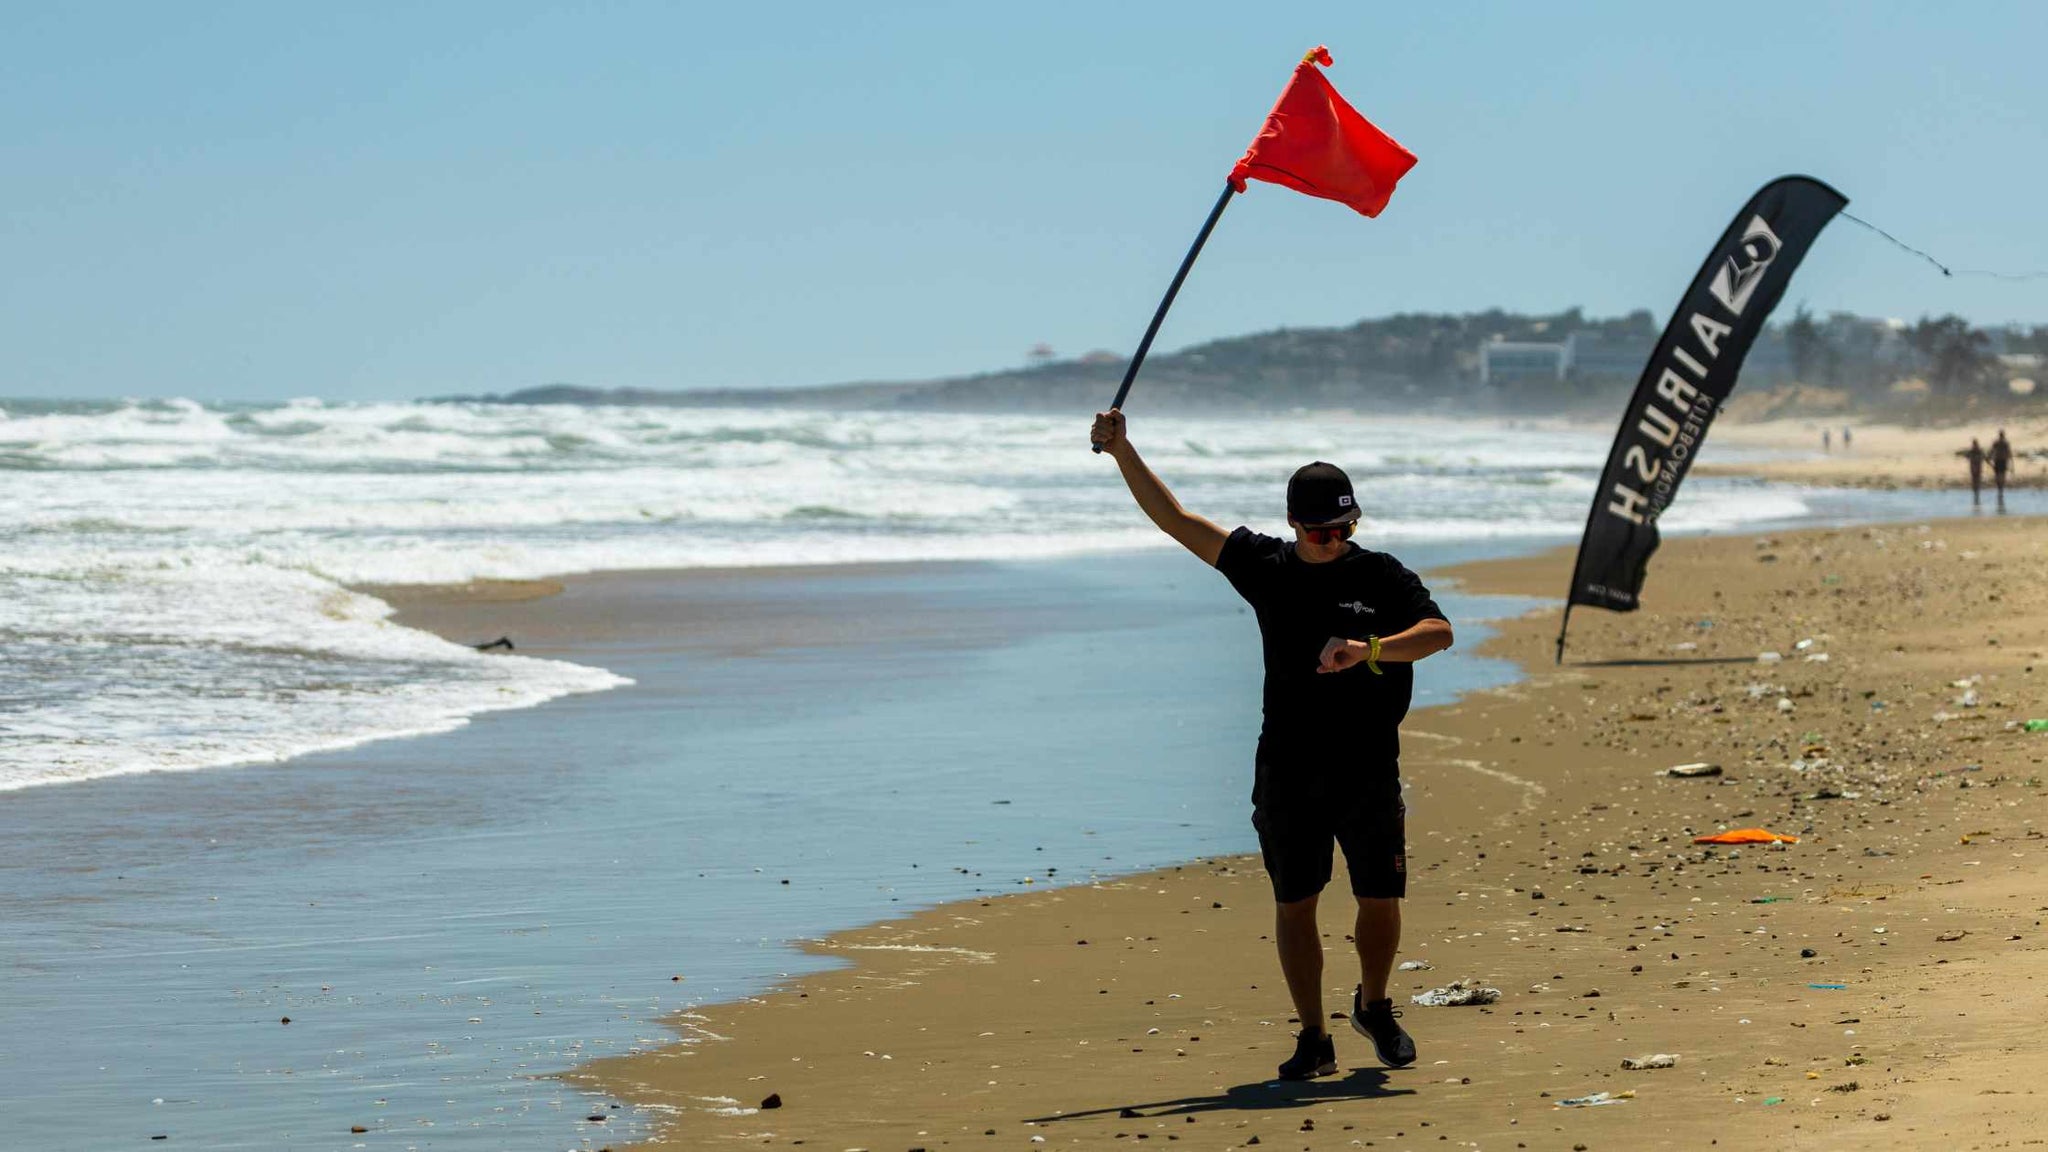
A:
(1551, 860)
(449, 921)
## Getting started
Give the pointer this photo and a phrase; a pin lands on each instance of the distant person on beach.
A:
(1845, 437)
(1824, 445)
(1341, 627)
(1975, 455)
(2001, 462)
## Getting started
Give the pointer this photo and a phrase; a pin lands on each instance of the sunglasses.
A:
(1329, 533)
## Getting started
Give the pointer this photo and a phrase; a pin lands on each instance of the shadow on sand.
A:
(1264, 1096)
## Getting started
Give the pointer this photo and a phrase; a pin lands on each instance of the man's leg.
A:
(1301, 959)
(1378, 935)
(1374, 835)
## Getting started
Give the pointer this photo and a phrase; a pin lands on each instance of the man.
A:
(1974, 454)
(2001, 463)
(1341, 627)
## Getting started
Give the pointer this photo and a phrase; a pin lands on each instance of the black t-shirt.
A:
(1301, 605)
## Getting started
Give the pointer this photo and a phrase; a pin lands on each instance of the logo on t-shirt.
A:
(1358, 607)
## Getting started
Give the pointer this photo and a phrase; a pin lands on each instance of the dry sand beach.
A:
(1874, 985)
(1882, 455)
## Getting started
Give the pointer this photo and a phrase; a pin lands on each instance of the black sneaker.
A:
(1376, 1022)
(1315, 1054)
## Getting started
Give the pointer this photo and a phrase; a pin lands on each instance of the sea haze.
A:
(175, 578)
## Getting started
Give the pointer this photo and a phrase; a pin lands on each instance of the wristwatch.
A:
(1372, 654)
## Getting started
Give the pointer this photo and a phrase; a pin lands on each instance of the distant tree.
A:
(1862, 353)
(1803, 340)
(1956, 356)
(1440, 357)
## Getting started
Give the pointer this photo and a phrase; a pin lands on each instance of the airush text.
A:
(1674, 416)
(1687, 380)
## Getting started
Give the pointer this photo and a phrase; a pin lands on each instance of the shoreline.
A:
(1886, 457)
(440, 608)
(823, 1039)
(449, 921)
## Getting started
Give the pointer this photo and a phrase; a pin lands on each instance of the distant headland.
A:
(1564, 363)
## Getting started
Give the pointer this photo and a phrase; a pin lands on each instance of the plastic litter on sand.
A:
(1454, 994)
(1645, 1063)
(1596, 1099)
(1746, 836)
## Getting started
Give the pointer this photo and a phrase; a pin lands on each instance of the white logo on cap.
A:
(1343, 501)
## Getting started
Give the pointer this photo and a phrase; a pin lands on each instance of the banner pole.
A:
(1561, 628)
(1159, 317)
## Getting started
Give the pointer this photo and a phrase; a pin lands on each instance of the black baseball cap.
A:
(1320, 493)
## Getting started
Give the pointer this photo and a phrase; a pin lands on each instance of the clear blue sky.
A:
(262, 200)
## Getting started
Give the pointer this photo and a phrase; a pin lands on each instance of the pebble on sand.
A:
(774, 1100)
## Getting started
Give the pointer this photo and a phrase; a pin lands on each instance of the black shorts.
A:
(1302, 817)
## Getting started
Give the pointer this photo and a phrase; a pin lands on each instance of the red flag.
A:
(1316, 143)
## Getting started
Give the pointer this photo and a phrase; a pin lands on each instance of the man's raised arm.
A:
(1196, 534)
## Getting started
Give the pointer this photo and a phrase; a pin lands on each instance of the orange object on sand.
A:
(1745, 836)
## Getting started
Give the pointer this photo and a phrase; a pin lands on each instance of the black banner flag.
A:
(1686, 381)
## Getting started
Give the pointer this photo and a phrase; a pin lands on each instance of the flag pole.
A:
(1138, 358)
(1561, 630)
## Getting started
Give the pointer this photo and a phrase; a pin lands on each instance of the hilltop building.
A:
(1508, 362)
(1579, 356)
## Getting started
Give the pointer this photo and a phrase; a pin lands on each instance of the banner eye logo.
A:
(1743, 269)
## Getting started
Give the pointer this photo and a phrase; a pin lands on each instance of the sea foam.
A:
(175, 577)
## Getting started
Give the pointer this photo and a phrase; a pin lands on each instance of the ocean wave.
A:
(174, 577)
(130, 669)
